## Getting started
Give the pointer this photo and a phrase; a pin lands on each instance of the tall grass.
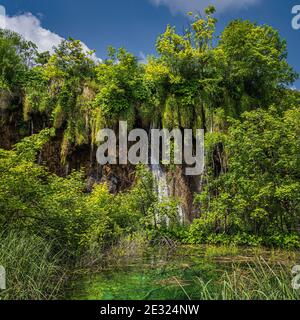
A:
(219, 251)
(32, 271)
(257, 281)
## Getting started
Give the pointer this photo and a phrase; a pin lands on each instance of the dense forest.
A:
(58, 205)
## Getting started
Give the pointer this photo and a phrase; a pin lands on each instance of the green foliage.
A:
(195, 81)
(33, 271)
(245, 70)
(261, 280)
(62, 87)
(257, 190)
(234, 87)
(16, 56)
(60, 210)
(199, 232)
(121, 89)
(189, 71)
(255, 65)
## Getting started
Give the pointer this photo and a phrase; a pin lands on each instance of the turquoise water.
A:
(158, 274)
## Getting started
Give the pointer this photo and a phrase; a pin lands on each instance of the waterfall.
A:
(162, 188)
(180, 214)
(161, 179)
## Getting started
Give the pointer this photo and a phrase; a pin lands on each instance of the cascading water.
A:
(162, 189)
(180, 214)
(161, 186)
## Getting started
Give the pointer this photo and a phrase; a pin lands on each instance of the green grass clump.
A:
(32, 272)
(258, 281)
(218, 251)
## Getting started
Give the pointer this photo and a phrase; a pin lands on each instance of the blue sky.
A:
(135, 24)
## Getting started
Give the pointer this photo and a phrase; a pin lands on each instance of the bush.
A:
(199, 233)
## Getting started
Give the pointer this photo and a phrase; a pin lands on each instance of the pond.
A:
(184, 273)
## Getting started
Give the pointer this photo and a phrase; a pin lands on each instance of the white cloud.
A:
(185, 6)
(2, 17)
(30, 27)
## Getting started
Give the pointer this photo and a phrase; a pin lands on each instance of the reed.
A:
(32, 271)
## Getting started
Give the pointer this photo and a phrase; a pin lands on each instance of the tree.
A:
(62, 86)
(121, 89)
(259, 190)
(16, 56)
(190, 66)
(254, 66)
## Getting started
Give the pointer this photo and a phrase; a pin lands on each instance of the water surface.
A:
(164, 274)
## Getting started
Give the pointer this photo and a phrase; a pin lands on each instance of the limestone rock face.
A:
(183, 187)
